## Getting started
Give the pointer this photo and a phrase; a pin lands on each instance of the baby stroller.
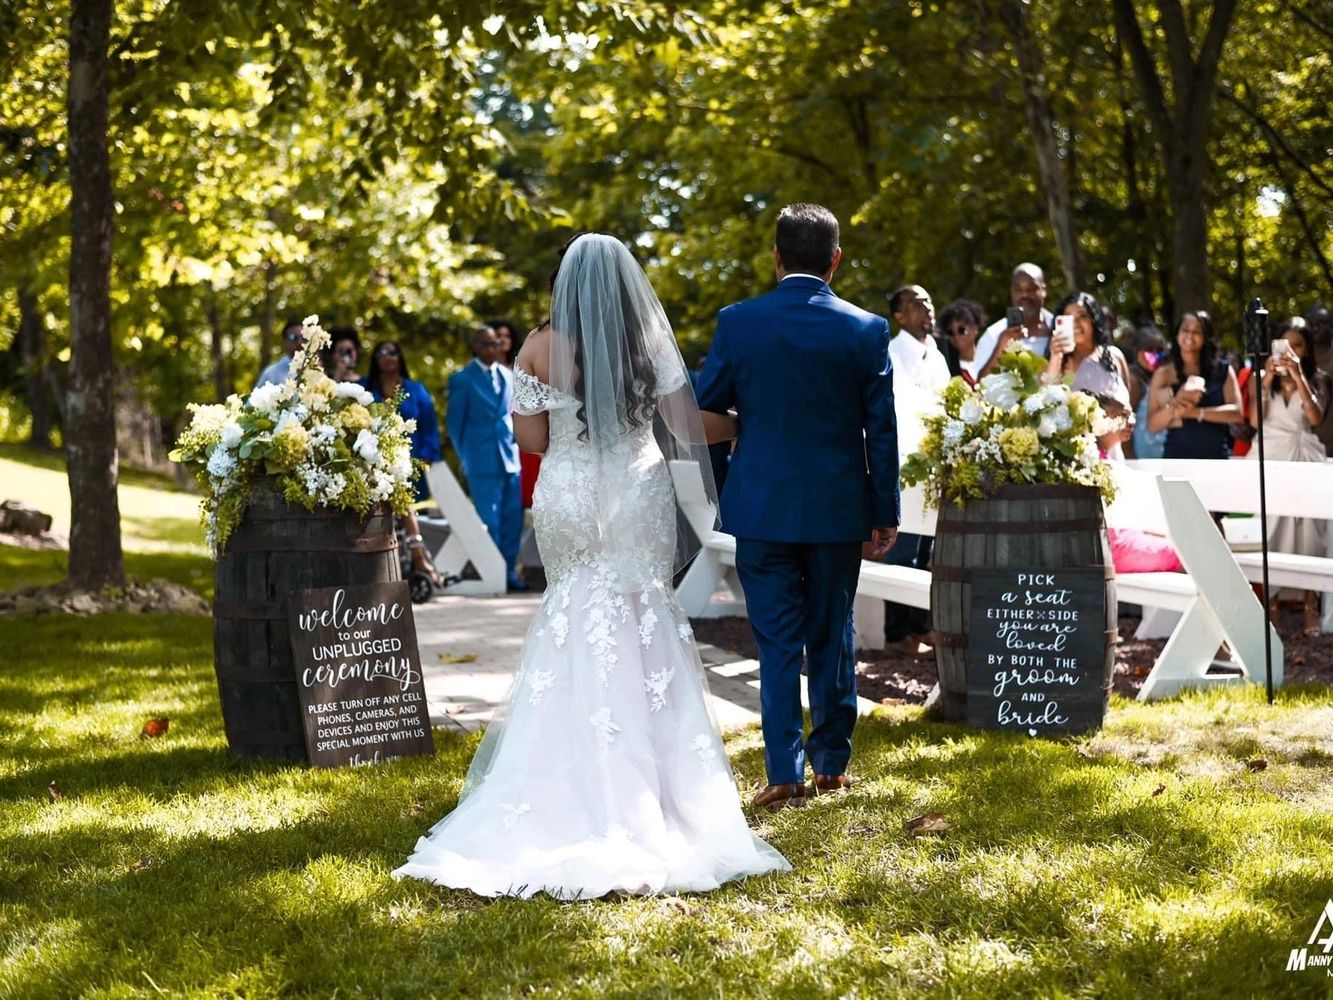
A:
(434, 530)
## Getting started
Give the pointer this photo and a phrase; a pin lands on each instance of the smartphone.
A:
(1280, 348)
(1013, 316)
(1064, 332)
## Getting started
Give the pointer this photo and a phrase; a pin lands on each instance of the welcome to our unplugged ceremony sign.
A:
(358, 674)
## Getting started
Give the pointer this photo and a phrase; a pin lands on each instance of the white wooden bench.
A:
(1224, 611)
(468, 540)
(1295, 489)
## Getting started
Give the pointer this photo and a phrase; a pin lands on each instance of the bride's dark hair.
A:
(640, 380)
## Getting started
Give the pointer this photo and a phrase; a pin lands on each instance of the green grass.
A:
(168, 867)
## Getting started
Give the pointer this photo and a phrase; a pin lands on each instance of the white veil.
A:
(612, 349)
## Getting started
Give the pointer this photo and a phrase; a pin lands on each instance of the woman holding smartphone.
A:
(1193, 396)
(1295, 398)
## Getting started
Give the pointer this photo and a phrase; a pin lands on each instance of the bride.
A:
(604, 771)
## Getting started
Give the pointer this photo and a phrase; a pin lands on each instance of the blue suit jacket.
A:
(809, 375)
(479, 422)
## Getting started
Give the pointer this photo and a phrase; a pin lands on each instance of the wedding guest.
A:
(1093, 362)
(919, 373)
(1149, 351)
(388, 375)
(1296, 395)
(1027, 293)
(1193, 396)
(510, 341)
(478, 418)
(962, 321)
(1319, 321)
(343, 355)
(292, 339)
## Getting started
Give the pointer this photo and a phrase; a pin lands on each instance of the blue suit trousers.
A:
(799, 597)
(499, 501)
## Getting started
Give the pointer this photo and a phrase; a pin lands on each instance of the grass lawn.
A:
(1147, 861)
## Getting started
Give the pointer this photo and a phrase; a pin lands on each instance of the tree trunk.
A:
(1181, 125)
(1189, 230)
(95, 558)
(221, 388)
(32, 333)
(1041, 126)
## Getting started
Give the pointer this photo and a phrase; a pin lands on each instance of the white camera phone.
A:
(1280, 348)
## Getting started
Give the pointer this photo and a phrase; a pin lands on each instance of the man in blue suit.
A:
(481, 396)
(813, 477)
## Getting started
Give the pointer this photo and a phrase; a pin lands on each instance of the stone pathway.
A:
(470, 648)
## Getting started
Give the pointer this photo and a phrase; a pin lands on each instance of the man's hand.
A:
(881, 540)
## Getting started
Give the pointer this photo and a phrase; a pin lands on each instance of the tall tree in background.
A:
(1041, 125)
(1181, 123)
(95, 558)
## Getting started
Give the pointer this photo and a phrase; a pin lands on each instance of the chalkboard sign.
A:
(1036, 656)
(358, 674)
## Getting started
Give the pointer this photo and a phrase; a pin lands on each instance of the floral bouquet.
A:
(325, 443)
(1013, 428)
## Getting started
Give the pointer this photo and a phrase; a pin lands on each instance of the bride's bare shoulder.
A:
(534, 357)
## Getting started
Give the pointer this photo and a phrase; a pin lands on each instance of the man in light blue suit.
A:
(481, 396)
(813, 478)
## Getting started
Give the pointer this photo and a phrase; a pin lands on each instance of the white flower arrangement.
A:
(326, 443)
(1012, 428)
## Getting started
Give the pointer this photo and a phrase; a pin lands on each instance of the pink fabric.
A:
(1135, 551)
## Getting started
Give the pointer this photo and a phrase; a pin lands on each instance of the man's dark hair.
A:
(896, 298)
(292, 321)
(477, 336)
(807, 238)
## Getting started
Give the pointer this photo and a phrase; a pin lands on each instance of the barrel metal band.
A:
(1018, 527)
(362, 543)
(256, 611)
(256, 513)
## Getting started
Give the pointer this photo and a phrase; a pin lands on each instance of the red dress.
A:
(530, 465)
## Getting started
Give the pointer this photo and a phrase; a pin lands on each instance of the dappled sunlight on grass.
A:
(1144, 860)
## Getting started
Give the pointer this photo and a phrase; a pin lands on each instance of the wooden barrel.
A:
(1042, 527)
(277, 550)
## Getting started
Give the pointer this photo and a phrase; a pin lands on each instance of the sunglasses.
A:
(292, 336)
(959, 331)
(387, 352)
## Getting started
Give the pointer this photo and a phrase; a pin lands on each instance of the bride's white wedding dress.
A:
(605, 770)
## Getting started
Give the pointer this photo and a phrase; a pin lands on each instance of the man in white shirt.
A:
(292, 339)
(1027, 291)
(920, 371)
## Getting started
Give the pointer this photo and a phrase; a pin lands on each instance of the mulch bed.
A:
(881, 675)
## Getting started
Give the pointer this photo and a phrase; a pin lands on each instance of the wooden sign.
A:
(1036, 655)
(358, 674)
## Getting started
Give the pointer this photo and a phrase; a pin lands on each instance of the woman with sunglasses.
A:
(388, 374)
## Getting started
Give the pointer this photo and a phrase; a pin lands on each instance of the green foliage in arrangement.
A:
(1155, 858)
(322, 443)
(1014, 427)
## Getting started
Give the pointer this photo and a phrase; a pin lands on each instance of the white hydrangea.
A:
(221, 462)
(1063, 419)
(953, 431)
(285, 420)
(1000, 389)
(231, 434)
(1046, 426)
(401, 466)
(367, 446)
(354, 392)
(208, 418)
(268, 398)
(323, 434)
(1036, 402)
(971, 411)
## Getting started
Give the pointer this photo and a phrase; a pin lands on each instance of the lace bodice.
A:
(609, 508)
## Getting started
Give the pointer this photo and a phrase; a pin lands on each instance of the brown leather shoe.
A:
(826, 783)
(776, 797)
